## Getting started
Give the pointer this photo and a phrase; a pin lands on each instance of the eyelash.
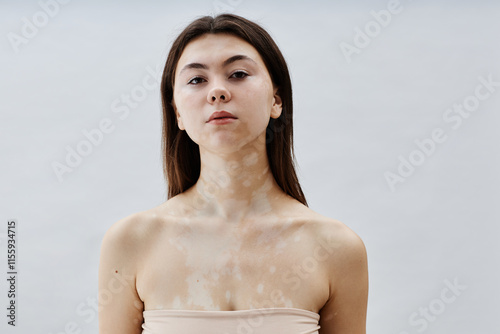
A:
(190, 82)
(240, 72)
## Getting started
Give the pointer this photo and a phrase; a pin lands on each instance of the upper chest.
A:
(191, 266)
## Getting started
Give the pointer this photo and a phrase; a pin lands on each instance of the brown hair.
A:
(181, 156)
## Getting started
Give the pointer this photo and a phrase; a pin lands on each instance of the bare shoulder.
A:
(344, 256)
(129, 230)
(340, 236)
(128, 236)
(122, 248)
(331, 231)
(333, 237)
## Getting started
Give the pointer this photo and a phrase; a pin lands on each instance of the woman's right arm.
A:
(120, 307)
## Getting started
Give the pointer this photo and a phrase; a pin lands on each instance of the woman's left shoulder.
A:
(333, 235)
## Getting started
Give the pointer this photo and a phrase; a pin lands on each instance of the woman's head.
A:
(228, 34)
(223, 73)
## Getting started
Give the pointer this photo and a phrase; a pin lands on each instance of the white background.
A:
(353, 119)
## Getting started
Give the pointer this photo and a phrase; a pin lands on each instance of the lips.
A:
(221, 115)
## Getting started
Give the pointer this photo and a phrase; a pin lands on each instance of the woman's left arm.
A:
(345, 310)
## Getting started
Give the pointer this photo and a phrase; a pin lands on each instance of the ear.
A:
(179, 119)
(277, 105)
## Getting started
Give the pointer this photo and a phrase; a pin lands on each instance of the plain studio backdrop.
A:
(396, 135)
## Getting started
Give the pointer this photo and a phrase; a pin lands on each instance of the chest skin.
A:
(195, 264)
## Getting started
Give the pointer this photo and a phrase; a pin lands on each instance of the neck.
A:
(234, 186)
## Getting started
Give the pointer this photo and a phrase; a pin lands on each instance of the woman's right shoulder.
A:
(133, 231)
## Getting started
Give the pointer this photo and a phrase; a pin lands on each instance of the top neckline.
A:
(287, 310)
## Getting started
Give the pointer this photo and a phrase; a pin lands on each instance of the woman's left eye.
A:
(239, 75)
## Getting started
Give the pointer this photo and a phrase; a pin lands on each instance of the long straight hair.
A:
(181, 155)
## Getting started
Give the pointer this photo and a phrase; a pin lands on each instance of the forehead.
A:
(213, 49)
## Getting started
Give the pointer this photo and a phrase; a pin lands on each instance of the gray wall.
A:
(381, 145)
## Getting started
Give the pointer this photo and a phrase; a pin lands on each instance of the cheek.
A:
(186, 105)
(261, 100)
(261, 95)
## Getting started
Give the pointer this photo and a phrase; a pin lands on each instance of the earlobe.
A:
(180, 123)
(178, 116)
(277, 105)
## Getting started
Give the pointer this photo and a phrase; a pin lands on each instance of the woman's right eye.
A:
(195, 81)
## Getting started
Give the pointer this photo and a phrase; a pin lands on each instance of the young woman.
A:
(235, 248)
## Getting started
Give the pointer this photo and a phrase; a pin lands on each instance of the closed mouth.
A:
(221, 115)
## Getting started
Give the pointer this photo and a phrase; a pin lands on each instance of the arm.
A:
(120, 308)
(345, 310)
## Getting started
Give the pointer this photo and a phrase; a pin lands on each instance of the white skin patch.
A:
(272, 269)
(280, 246)
(236, 273)
(298, 233)
(260, 288)
(197, 293)
(206, 267)
(176, 244)
(177, 303)
(263, 204)
(279, 300)
(269, 236)
(214, 275)
(228, 295)
(250, 159)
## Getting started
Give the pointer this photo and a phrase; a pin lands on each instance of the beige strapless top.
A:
(256, 321)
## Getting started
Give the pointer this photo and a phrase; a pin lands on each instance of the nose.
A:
(218, 94)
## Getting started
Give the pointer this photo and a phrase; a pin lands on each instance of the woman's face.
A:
(221, 72)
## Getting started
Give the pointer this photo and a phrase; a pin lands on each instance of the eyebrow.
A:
(226, 62)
